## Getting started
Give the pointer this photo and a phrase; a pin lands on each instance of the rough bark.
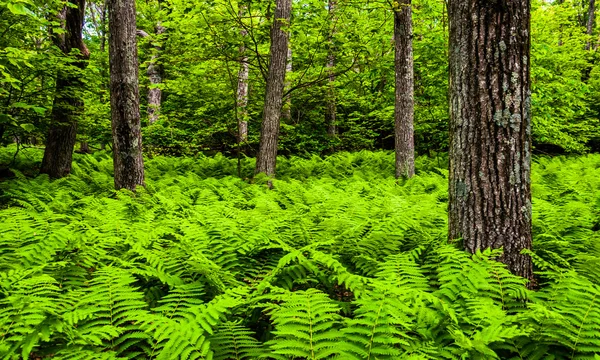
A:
(490, 128)
(331, 107)
(68, 103)
(590, 23)
(269, 134)
(404, 107)
(124, 95)
(242, 89)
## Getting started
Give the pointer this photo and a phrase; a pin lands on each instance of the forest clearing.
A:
(299, 179)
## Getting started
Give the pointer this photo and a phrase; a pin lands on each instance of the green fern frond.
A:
(231, 341)
(306, 326)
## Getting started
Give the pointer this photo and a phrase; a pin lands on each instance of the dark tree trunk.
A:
(490, 128)
(68, 103)
(242, 88)
(590, 23)
(267, 153)
(404, 109)
(331, 108)
(84, 147)
(124, 95)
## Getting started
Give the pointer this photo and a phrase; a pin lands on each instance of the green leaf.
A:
(19, 9)
(39, 110)
(28, 127)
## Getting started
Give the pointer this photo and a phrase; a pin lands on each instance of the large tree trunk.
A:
(331, 108)
(124, 95)
(590, 23)
(267, 153)
(242, 88)
(68, 103)
(405, 104)
(490, 128)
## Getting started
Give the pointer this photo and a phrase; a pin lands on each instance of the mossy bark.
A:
(490, 128)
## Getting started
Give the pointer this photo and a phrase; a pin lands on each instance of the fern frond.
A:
(306, 326)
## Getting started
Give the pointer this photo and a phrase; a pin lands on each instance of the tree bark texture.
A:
(124, 95)
(590, 23)
(68, 103)
(269, 134)
(405, 104)
(242, 88)
(490, 128)
(331, 107)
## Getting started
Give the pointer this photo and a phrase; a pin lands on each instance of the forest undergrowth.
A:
(338, 260)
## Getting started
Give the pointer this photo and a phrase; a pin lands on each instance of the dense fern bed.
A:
(337, 261)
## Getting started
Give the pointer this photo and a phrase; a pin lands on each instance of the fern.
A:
(338, 260)
(232, 341)
(306, 326)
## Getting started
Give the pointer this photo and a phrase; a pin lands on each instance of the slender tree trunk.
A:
(287, 107)
(331, 108)
(68, 104)
(590, 23)
(269, 134)
(84, 147)
(103, 25)
(242, 89)
(124, 95)
(405, 104)
(103, 70)
(490, 128)
(155, 76)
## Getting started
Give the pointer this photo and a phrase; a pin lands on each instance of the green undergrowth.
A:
(338, 261)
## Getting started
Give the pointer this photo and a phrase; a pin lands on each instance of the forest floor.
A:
(201, 257)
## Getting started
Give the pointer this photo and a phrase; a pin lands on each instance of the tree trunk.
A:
(287, 107)
(155, 76)
(590, 23)
(103, 22)
(405, 104)
(331, 108)
(124, 95)
(242, 89)
(490, 128)
(68, 103)
(84, 147)
(267, 153)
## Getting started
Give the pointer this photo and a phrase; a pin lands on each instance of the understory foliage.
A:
(339, 260)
